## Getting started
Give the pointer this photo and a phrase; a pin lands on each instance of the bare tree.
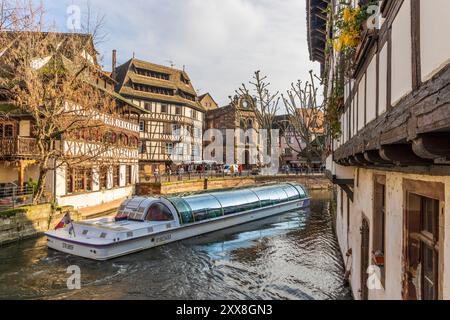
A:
(304, 120)
(50, 76)
(264, 104)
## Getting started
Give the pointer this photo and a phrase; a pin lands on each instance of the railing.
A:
(13, 196)
(210, 174)
(17, 147)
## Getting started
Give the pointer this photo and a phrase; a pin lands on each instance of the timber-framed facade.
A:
(172, 130)
(95, 166)
(395, 124)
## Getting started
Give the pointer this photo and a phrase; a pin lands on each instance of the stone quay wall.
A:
(28, 222)
(312, 182)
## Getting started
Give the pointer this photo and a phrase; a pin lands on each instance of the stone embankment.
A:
(312, 182)
(31, 221)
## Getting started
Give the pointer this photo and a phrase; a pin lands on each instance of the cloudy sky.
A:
(220, 42)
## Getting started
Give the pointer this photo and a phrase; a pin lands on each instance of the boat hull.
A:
(107, 252)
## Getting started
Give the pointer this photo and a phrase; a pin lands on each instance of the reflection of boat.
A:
(144, 223)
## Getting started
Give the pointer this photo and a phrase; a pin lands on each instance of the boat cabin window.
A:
(159, 212)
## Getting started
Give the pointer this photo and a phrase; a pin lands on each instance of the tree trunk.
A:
(39, 192)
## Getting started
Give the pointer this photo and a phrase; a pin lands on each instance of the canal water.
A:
(291, 256)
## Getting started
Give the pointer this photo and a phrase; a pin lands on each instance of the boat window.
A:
(291, 192)
(159, 212)
(184, 210)
(238, 201)
(264, 196)
(301, 191)
(204, 207)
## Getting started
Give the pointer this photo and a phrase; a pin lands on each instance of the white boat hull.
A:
(106, 252)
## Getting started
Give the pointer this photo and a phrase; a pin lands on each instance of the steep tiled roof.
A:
(126, 74)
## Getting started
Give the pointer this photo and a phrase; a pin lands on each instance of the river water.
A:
(291, 256)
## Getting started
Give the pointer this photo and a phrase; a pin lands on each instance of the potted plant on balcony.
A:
(350, 24)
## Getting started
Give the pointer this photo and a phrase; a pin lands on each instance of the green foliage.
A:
(31, 184)
(11, 213)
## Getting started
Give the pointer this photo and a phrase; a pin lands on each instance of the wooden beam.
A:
(432, 146)
(402, 154)
(373, 156)
(348, 191)
(359, 157)
(424, 111)
(415, 43)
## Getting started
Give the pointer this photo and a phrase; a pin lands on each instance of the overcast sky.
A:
(220, 42)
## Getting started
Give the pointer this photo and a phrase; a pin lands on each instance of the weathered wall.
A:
(362, 206)
(34, 220)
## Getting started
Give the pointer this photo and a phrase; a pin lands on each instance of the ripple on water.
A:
(290, 256)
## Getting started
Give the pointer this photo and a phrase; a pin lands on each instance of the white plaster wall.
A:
(340, 234)
(95, 179)
(401, 53)
(122, 178)
(354, 120)
(372, 90)
(434, 38)
(344, 127)
(95, 198)
(361, 97)
(60, 181)
(383, 81)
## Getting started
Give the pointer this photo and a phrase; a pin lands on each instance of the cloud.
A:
(221, 43)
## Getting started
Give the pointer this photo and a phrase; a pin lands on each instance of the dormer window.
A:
(184, 80)
(152, 74)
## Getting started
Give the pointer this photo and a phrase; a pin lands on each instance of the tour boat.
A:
(146, 222)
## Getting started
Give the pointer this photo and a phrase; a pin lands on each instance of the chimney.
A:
(114, 61)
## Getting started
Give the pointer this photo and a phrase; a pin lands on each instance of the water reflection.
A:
(290, 256)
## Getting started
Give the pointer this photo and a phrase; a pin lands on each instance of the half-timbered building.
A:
(172, 130)
(390, 159)
(95, 166)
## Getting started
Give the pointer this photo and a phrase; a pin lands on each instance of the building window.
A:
(78, 180)
(148, 106)
(69, 181)
(194, 114)
(423, 247)
(103, 178)
(169, 148)
(164, 108)
(116, 176)
(142, 126)
(178, 110)
(142, 147)
(128, 175)
(9, 131)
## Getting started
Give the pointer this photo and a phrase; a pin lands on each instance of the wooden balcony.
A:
(17, 147)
